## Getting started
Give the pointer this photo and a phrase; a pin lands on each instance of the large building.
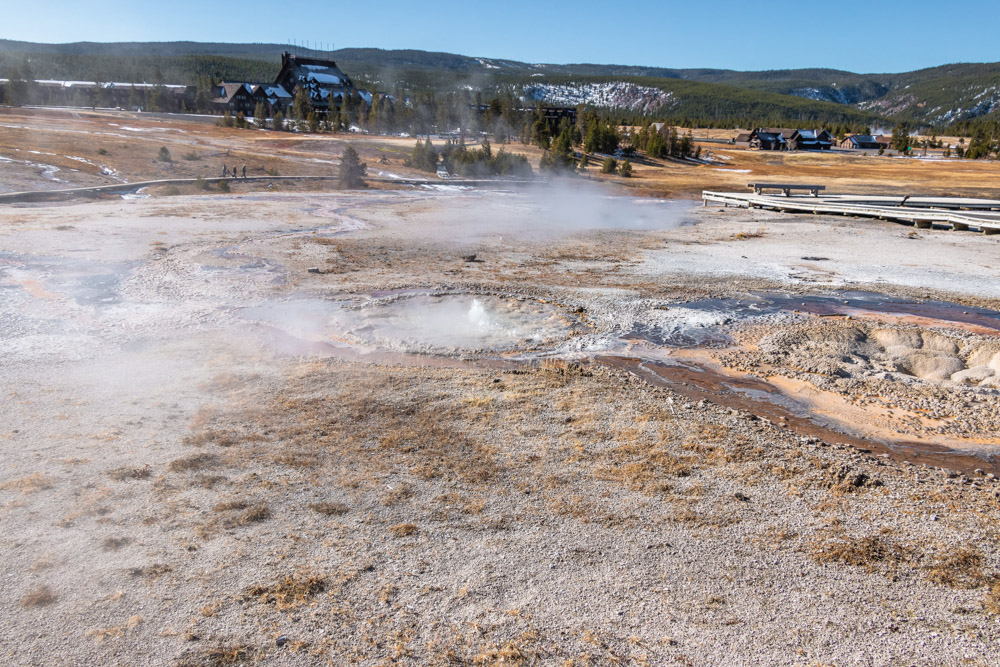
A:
(318, 78)
(786, 139)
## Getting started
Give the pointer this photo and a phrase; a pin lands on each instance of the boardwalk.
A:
(123, 188)
(982, 215)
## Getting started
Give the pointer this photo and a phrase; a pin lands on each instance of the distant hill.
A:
(939, 96)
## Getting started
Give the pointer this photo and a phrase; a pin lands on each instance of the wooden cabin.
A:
(766, 140)
(861, 141)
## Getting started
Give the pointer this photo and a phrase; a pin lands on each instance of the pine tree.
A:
(301, 104)
(332, 111)
(609, 166)
(278, 121)
(158, 100)
(559, 157)
(352, 169)
(625, 168)
(901, 138)
(260, 115)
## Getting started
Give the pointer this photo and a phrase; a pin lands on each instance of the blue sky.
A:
(780, 34)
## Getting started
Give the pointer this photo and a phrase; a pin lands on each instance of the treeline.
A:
(469, 162)
(181, 70)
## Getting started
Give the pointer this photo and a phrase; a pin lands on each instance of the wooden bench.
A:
(786, 188)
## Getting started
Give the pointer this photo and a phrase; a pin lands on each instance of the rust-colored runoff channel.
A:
(766, 401)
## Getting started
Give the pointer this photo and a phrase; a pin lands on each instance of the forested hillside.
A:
(934, 97)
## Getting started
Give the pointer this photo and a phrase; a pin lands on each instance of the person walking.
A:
(225, 171)
(244, 171)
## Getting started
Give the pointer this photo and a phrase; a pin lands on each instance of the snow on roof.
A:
(322, 77)
(275, 91)
(65, 84)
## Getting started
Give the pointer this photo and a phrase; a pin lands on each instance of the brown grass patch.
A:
(127, 473)
(297, 458)
(868, 552)
(39, 597)
(991, 603)
(330, 509)
(154, 571)
(33, 483)
(101, 634)
(743, 236)
(253, 514)
(963, 568)
(194, 462)
(216, 437)
(231, 506)
(403, 529)
(397, 495)
(642, 465)
(221, 655)
(114, 543)
(292, 591)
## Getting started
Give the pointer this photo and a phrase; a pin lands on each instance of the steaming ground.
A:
(298, 429)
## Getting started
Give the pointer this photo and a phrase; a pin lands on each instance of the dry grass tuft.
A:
(292, 591)
(127, 473)
(253, 514)
(330, 509)
(508, 654)
(991, 603)
(963, 568)
(743, 236)
(297, 458)
(39, 597)
(221, 655)
(101, 634)
(563, 369)
(403, 529)
(194, 462)
(231, 506)
(38, 481)
(645, 466)
(114, 543)
(867, 552)
(154, 571)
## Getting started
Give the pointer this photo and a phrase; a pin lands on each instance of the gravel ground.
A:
(203, 465)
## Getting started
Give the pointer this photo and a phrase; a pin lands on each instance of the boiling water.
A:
(423, 322)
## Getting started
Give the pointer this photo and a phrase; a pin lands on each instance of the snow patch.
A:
(612, 94)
